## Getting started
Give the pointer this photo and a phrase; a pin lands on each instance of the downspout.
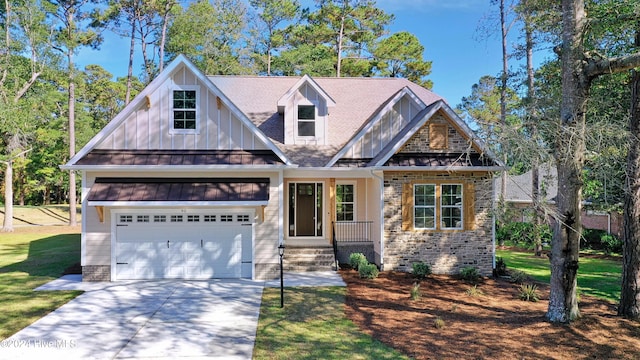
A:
(381, 217)
(493, 224)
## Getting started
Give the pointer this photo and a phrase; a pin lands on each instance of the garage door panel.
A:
(195, 249)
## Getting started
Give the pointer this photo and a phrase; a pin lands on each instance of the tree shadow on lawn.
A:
(46, 257)
(494, 325)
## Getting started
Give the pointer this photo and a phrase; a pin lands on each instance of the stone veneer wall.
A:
(96, 273)
(447, 252)
(419, 142)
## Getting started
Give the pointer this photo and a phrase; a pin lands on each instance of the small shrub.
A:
(470, 274)
(611, 244)
(474, 291)
(355, 259)
(438, 323)
(501, 267)
(596, 239)
(529, 292)
(522, 234)
(518, 276)
(368, 271)
(421, 270)
(415, 291)
(454, 307)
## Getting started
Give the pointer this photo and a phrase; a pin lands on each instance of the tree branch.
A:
(26, 86)
(597, 67)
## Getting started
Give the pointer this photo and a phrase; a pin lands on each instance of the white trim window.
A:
(451, 206)
(345, 202)
(306, 115)
(184, 109)
(424, 206)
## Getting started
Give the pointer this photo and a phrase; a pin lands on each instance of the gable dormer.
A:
(305, 110)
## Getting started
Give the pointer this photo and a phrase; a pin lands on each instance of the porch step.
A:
(302, 259)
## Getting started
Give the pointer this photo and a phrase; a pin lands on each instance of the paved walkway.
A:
(163, 319)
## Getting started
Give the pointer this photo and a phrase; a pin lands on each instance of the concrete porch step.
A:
(309, 258)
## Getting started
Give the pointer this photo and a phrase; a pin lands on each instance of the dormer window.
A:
(306, 120)
(184, 110)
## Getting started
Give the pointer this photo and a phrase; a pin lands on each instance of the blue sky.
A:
(446, 28)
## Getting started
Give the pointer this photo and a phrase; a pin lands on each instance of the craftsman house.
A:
(205, 176)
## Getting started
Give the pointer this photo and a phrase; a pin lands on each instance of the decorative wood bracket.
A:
(100, 211)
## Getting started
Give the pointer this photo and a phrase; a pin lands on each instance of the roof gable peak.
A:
(306, 79)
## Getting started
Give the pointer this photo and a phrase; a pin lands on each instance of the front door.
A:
(305, 209)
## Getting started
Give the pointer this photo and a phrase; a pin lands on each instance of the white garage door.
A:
(183, 246)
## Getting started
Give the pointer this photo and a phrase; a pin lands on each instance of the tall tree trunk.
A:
(132, 46)
(339, 46)
(535, 170)
(163, 35)
(72, 141)
(7, 225)
(503, 95)
(569, 152)
(630, 292)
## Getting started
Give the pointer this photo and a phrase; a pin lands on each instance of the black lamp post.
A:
(281, 253)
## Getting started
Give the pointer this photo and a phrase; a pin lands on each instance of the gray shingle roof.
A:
(357, 100)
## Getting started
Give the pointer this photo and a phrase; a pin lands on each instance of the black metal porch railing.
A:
(350, 234)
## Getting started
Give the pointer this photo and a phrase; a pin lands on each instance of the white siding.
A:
(149, 128)
(384, 129)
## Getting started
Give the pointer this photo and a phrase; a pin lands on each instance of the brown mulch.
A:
(496, 325)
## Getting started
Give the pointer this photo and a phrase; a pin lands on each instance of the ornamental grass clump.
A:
(529, 292)
(415, 291)
(474, 291)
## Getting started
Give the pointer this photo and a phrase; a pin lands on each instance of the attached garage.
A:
(183, 245)
(180, 228)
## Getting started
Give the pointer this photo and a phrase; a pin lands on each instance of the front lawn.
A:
(313, 325)
(28, 260)
(597, 276)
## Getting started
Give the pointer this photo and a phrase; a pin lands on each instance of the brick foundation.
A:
(265, 271)
(96, 273)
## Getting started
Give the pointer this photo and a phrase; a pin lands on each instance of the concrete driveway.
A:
(145, 319)
(159, 319)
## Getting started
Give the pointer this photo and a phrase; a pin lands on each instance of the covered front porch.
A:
(342, 214)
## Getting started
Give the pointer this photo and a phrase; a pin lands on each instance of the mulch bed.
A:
(495, 325)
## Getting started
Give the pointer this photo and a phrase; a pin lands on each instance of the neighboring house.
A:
(204, 177)
(518, 194)
(519, 199)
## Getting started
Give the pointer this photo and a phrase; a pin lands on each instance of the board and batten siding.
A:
(384, 130)
(149, 126)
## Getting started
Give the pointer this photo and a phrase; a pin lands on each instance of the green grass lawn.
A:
(313, 325)
(28, 260)
(596, 277)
